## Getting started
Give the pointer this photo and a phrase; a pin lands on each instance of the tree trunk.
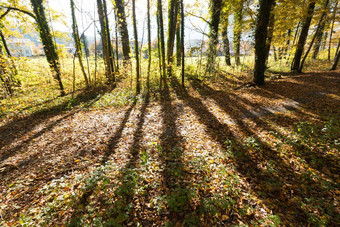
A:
(322, 18)
(136, 46)
(122, 24)
(182, 39)
(149, 47)
(109, 44)
(215, 12)
(14, 68)
(337, 57)
(238, 17)
(260, 40)
(318, 40)
(77, 42)
(117, 52)
(270, 33)
(48, 44)
(172, 19)
(303, 36)
(225, 39)
(178, 41)
(161, 36)
(4, 77)
(105, 36)
(285, 52)
(159, 51)
(320, 30)
(332, 28)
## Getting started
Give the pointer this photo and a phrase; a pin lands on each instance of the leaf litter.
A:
(206, 155)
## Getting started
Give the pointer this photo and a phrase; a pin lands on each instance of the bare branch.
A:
(5, 13)
(202, 18)
(17, 9)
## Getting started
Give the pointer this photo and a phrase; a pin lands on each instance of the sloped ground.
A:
(207, 155)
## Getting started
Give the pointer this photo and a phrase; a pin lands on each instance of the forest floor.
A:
(213, 154)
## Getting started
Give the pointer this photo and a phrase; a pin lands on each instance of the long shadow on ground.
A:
(177, 191)
(279, 189)
(19, 127)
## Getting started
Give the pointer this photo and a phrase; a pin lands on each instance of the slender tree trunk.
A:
(77, 42)
(14, 68)
(332, 28)
(95, 45)
(159, 52)
(320, 30)
(225, 39)
(182, 39)
(323, 15)
(172, 19)
(260, 40)
(136, 46)
(285, 52)
(149, 47)
(109, 44)
(303, 36)
(238, 17)
(122, 24)
(105, 36)
(4, 77)
(162, 42)
(5, 44)
(324, 38)
(296, 32)
(337, 57)
(275, 53)
(46, 38)
(318, 40)
(117, 52)
(270, 33)
(215, 12)
(178, 43)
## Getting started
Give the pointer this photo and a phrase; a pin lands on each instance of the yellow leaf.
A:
(225, 217)
(77, 160)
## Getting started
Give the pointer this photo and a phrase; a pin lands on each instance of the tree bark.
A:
(260, 40)
(172, 19)
(105, 36)
(238, 17)
(332, 28)
(225, 39)
(149, 47)
(122, 24)
(77, 42)
(337, 57)
(136, 46)
(270, 33)
(178, 43)
(182, 39)
(320, 30)
(215, 12)
(323, 15)
(318, 40)
(4, 79)
(303, 36)
(14, 68)
(48, 44)
(161, 36)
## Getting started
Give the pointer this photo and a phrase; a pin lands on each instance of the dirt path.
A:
(203, 156)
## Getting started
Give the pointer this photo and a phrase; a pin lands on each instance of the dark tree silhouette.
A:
(260, 40)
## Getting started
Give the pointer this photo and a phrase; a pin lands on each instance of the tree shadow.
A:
(121, 208)
(177, 191)
(20, 127)
(276, 189)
